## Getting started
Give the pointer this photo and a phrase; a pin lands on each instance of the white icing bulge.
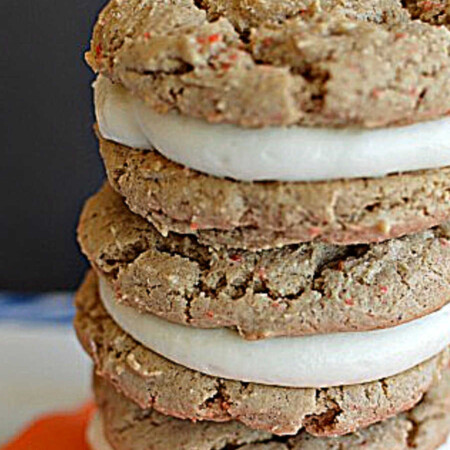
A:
(284, 154)
(308, 361)
(446, 446)
(95, 434)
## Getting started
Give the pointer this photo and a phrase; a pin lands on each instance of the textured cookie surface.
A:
(279, 62)
(128, 427)
(152, 381)
(269, 214)
(296, 290)
(436, 12)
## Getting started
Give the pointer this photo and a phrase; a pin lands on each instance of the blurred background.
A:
(49, 166)
(49, 159)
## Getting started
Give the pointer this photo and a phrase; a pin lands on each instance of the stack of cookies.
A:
(271, 253)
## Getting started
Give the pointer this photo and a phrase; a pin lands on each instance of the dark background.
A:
(49, 163)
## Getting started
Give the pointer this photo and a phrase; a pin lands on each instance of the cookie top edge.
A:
(276, 63)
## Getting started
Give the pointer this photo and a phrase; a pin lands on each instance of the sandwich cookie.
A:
(153, 381)
(340, 78)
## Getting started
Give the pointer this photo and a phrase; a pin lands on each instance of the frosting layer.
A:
(309, 361)
(283, 154)
(95, 434)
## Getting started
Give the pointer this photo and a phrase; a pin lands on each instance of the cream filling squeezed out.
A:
(308, 361)
(283, 154)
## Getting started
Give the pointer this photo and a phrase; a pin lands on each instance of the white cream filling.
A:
(97, 440)
(284, 154)
(308, 361)
(95, 434)
(446, 446)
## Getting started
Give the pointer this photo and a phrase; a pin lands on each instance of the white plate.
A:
(42, 369)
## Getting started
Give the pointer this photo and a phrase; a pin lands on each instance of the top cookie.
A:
(329, 63)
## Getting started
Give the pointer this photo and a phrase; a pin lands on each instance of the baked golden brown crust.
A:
(327, 63)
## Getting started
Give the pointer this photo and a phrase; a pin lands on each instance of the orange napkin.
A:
(55, 432)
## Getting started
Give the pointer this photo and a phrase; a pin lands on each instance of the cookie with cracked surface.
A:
(277, 62)
(152, 381)
(126, 426)
(222, 212)
(295, 290)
